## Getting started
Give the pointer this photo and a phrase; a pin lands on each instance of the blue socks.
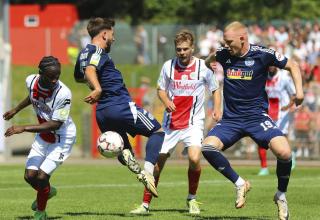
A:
(283, 173)
(153, 147)
(219, 162)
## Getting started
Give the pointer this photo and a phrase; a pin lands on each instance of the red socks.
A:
(263, 156)
(42, 198)
(193, 177)
(147, 196)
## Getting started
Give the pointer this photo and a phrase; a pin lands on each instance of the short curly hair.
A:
(50, 63)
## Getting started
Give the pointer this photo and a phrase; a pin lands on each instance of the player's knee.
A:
(42, 180)
(284, 154)
(30, 177)
(213, 141)
(194, 160)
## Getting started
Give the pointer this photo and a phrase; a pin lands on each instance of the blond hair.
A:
(184, 35)
(236, 26)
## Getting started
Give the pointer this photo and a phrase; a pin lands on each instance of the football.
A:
(110, 144)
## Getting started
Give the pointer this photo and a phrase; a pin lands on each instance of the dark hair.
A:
(96, 25)
(47, 63)
(184, 35)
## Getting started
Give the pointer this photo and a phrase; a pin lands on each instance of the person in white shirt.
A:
(181, 88)
(281, 94)
(55, 133)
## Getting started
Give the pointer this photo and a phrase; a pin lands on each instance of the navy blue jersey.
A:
(245, 78)
(114, 91)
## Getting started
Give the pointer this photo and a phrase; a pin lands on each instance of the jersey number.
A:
(266, 125)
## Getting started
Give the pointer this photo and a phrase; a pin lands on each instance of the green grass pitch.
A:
(109, 191)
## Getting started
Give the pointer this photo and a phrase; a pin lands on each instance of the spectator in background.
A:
(215, 36)
(204, 46)
(302, 126)
(141, 40)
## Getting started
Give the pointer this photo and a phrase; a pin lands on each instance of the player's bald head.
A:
(236, 27)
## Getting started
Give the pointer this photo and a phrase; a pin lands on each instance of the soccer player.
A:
(181, 89)
(56, 132)
(115, 109)
(281, 93)
(245, 110)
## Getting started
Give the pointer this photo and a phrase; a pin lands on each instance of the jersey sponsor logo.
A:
(239, 74)
(95, 59)
(249, 61)
(184, 85)
(279, 56)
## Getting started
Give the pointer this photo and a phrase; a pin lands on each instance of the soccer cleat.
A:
(241, 192)
(193, 206)
(130, 161)
(283, 211)
(40, 215)
(140, 210)
(263, 172)
(148, 181)
(52, 193)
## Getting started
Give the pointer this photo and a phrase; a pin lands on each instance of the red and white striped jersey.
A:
(279, 89)
(52, 105)
(185, 86)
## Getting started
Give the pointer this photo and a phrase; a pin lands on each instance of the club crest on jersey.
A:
(239, 74)
(249, 61)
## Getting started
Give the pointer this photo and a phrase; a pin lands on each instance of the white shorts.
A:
(283, 123)
(191, 136)
(48, 156)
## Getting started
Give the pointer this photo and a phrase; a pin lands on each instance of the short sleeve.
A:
(98, 58)
(276, 59)
(163, 81)
(211, 80)
(62, 108)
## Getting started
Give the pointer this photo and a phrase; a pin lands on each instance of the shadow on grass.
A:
(101, 214)
(170, 210)
(182, 211)
(31, 217)
(231, 218)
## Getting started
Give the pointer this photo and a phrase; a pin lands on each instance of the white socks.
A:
(281, 195)
(149, 167)
(239, 182)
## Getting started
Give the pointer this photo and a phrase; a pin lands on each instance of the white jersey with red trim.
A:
(52, 105)
(280, 89)
(185, 86)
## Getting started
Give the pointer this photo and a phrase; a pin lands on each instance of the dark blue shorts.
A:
(127, 118)
(260, 128)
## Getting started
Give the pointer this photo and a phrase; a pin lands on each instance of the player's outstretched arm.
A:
(44, 127)
(92, 79)
(294, 69)
(9, 114)
(211, 59)
(168, 104)
(217, 112)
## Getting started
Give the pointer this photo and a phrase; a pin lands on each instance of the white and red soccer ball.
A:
(110, 144)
